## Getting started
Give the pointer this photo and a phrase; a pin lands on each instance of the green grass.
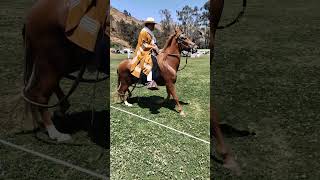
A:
(15, 164)
(143, 150)
(266, 80)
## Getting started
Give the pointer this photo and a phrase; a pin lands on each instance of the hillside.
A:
(116, 17)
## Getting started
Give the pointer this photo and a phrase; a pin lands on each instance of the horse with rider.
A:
(153, 67)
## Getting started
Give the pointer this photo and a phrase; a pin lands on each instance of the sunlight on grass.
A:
(144, 150)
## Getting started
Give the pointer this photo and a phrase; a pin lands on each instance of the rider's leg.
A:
(149, 77)
(152, 85)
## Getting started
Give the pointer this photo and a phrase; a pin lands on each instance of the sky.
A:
(141, 9)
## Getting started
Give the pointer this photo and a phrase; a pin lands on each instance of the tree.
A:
(125, 12)
(194, 22)
(166, 26)
(205, 23)
(129, 32)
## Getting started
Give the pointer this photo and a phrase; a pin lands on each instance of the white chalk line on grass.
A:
(180, 132)
(58, 161)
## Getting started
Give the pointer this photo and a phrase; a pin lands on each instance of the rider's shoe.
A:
(152, 85)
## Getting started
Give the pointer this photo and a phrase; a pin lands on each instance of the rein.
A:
(178, 56)
(241, 13)
(184, 65)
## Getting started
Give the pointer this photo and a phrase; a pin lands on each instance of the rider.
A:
(146, 47)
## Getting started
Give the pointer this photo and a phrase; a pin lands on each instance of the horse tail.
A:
(27, 56)
(119, 83)
(118, 78)
(116, 95)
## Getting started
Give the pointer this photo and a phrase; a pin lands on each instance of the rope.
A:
(184, 65)
(71, 77)
(72, 89)
(93, 99)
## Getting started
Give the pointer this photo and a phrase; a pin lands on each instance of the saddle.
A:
(84, 21)
(155, 71)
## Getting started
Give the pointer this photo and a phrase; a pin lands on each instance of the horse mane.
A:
(161, 61)
(168, 42)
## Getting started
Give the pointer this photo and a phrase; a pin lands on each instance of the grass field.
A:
(16, 164)
(144, 150)
(266, 80)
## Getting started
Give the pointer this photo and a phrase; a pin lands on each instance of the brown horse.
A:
(50, 56)
(216, 7)
(168, 60)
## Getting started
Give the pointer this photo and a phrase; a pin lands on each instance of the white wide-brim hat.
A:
(150, 20)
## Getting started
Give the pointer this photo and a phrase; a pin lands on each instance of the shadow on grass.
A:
(230, 132)
(98, 129)
(154, 103)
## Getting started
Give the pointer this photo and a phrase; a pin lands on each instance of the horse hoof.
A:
(128, 104)
(232, 165)
(182, 114)
(63, 137)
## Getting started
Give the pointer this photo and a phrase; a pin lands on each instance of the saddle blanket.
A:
(84, 19)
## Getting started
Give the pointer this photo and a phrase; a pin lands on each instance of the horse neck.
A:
(173, 54)
(173, 48)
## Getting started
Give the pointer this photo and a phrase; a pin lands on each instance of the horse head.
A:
(184, 43)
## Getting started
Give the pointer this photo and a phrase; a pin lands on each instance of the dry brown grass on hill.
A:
(117, 16)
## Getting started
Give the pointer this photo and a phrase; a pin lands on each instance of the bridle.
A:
(181, 41)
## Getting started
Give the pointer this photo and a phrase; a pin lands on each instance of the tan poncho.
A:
(84, 21)
(142, 60)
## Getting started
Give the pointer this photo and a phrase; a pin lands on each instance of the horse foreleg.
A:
(172, 89)
(228, 159)
(40, 87)
(51, 129)
(216, 132)
(122, 89)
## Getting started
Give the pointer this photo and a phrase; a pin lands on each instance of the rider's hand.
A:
(155, 48)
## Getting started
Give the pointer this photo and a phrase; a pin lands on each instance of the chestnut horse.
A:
(168, 60)
(50, 56)
(216, 7)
